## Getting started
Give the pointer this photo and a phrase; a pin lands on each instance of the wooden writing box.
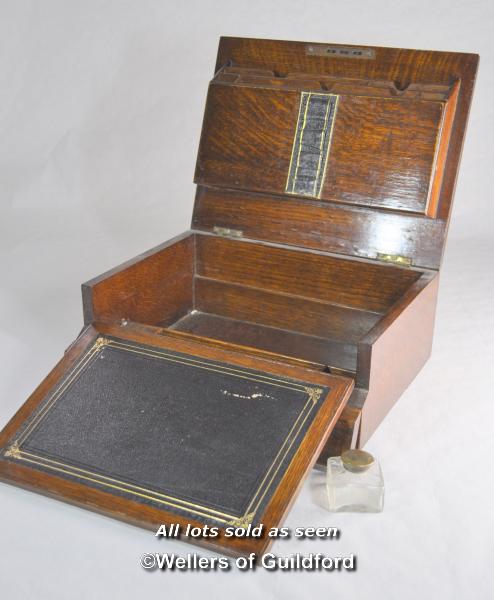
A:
(287, 322)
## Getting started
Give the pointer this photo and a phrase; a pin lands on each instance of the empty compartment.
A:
(298, 303)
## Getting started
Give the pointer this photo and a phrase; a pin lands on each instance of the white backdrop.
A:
(93, 95)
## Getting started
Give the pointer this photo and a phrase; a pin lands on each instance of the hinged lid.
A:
(162, 430)
(354, 149)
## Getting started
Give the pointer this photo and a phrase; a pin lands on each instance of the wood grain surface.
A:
(382, 152)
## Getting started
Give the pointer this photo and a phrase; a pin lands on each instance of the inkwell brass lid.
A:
(356, 460)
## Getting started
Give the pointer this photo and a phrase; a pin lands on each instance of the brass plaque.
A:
(340, 51)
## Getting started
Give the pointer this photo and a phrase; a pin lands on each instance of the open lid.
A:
(167, 430)
(366, 136)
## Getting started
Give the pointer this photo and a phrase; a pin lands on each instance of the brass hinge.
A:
(226, 232)
(396, 259)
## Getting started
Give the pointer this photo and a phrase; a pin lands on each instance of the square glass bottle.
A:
(354, 482)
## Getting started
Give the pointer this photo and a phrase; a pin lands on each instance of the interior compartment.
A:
(298, 303)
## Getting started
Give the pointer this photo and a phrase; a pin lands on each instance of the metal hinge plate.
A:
(395, 259)
(226, 232)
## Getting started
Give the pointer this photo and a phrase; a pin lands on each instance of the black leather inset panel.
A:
(311, 144)
(203, 438)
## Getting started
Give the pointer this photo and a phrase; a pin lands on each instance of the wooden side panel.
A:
(322, 225)
(442, 150)
(368, 286)
(394, 352)
(154, 287)
(283, 311)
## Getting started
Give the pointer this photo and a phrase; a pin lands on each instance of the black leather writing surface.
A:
(206, 439)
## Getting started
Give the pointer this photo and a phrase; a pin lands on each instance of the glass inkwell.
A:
(354, 482)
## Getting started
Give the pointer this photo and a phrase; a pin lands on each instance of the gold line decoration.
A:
(244, 521)
(16, 452)
(13, 451)
(314, 394)
(101, 342)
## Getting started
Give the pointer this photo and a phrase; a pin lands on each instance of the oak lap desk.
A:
(215, 370)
